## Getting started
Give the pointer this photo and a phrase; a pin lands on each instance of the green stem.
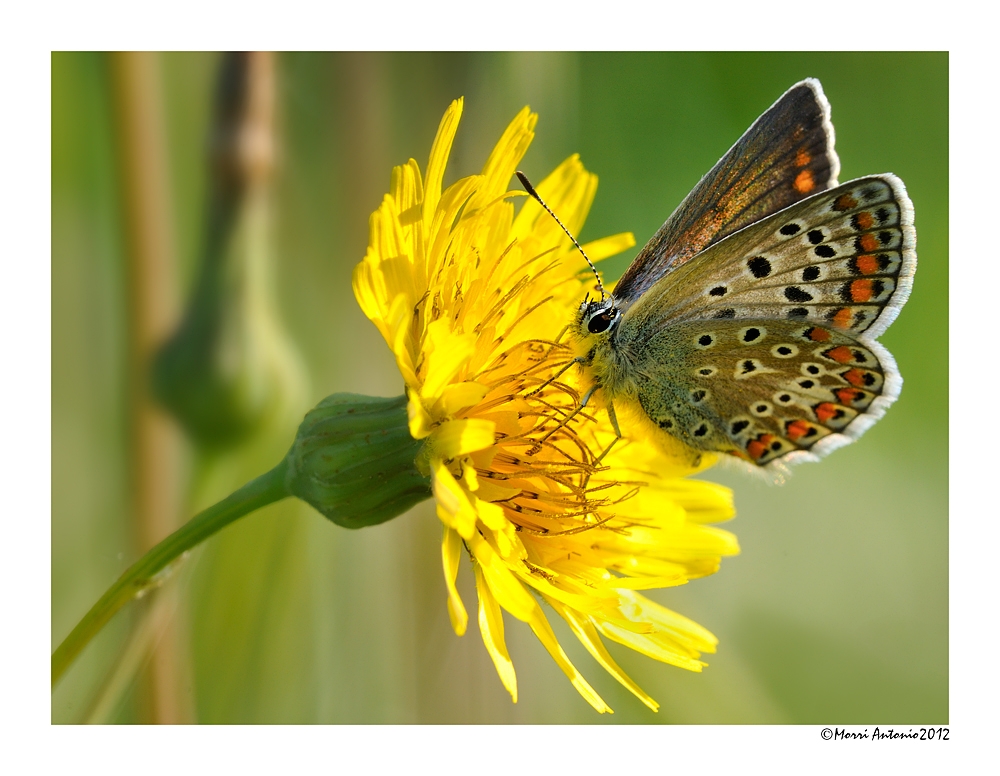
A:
(147, 572)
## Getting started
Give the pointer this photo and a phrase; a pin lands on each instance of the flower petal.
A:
(451, 554)
(585, 631)
(491, 626)
(458, 396)
(421, 424)
(650, 646)
(543, 631)
(447, 353)
(453, 505)
(472, 293)
(505, 157)
(611, 245)
(440, 152)
(509, 591)
(455, 438)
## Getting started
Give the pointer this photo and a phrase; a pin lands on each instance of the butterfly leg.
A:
(618, 432)
(538, 445)
(557, 375)
(611, 416)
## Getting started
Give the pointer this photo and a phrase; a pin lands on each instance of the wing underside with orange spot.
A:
(764, 390)
(786, 155)
(844, 258)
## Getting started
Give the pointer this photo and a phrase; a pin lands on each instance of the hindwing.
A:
(764, 390)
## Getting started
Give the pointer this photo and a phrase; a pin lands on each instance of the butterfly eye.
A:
(601, 321)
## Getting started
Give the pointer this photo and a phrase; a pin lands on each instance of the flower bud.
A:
(353, 460)
(229, 369)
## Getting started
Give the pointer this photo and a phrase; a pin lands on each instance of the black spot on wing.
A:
(796, 294)
(759, 267)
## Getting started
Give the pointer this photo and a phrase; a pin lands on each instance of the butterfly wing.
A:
(774, 328)
(786, 155)
(763, 389)
(843, 258)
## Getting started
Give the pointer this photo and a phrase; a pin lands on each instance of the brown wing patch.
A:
(787, 154)
(766, 390)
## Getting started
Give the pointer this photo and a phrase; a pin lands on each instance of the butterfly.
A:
(747, 324)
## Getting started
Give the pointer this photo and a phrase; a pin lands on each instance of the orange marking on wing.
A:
(825, 411)
(861, 290)
(804, 182)
(842, 318)
(855, 377)
(802, 158)
(841, 354)
(868, 242)
(864, 220)
(797, 429)
(817, 334)
(848, 395)
(844, 202)
(758, 447)
(867, 265)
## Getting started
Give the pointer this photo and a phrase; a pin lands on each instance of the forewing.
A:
(764, 390)
(787, 154)
(844, 259)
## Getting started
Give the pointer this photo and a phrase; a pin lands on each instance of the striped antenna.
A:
(531, 190)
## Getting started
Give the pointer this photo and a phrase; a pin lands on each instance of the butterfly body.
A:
(747, 324)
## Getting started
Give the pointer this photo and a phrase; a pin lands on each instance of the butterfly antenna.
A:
(531, 190)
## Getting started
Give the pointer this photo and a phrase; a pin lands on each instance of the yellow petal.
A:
(491, 626)
(684, 630)
(399, 318)
(585, 631)
(568, 190)
(492, 516)
(469, 476)
(407, 187)
(545, 635)
(447, 352)
(648, 583)
(453, 506)
(451, 554)
(458, 396)
(503, 160)
(455, 438)
(650, 646)
(491, 490)
(704, 502)
(367, 297)
(609, 246)
(506, 587)
(420, 422)
(440, 152)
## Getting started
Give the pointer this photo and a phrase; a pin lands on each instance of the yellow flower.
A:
(473, 300)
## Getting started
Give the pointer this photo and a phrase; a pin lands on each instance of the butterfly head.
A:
(598, 317)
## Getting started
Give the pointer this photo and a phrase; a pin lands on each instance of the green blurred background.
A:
(837, 609)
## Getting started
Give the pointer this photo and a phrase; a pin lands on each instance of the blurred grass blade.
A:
(151, 305)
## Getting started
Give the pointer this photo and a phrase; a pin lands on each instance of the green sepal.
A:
(353, 460)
